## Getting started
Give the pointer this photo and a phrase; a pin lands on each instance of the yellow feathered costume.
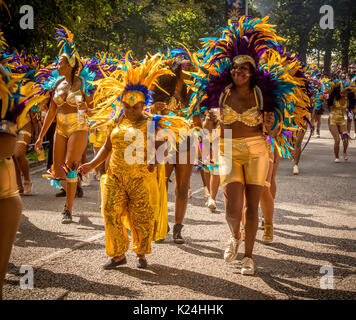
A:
(132, 197)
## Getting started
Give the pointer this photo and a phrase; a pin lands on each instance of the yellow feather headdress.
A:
(65, 39)
(131, 76)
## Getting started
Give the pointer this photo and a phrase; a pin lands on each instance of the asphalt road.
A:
(314, 227)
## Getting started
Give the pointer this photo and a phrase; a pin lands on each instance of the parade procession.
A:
(177, 150)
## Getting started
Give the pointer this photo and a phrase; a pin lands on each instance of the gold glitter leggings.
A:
(129, 203)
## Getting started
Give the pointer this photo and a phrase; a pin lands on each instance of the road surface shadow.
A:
(281, 217)
(337, 243)
(337, 260)
(295, 290)
(192, 247)
(188, 221)
(85, 221)
(30, 235)
(45, 199)
(44, 279)
(197, 282)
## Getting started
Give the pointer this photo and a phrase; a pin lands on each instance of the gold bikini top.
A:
(59, 101)
(340, 107)
(251, 117)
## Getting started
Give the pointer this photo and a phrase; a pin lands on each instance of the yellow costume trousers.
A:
(132, 203)
(246, 162)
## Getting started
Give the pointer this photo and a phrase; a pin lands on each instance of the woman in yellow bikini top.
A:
(71, 133)
(338, 104)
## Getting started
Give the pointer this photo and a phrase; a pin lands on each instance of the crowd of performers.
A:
(241, 89)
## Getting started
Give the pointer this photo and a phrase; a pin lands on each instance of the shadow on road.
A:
(195, 222)
(295, 290)
(200, 250)
(337, 260)
(197, 282)
(282, 217)
(30, 235)
(44, 279)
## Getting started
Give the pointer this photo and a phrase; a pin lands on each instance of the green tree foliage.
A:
(150, 25)
(114, 25)
(299, 22)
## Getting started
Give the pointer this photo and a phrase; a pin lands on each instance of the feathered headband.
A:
(65, 40)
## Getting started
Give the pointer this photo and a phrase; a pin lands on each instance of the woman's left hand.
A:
(269, 120)
(82, 106)
(151, 167)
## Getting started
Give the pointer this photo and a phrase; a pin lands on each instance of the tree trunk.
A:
(345, 37)
(303, 46)
(328, 50)
(318, 59)
(327, 61)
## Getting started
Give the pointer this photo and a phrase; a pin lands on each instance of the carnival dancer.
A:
(10, 201)
(351, 108)
(318, 94)
(16, 98)
(131, 192)
(254, 100)
(171, 98)
(68, 80)
(338, 103)
(24, 66)
(211, 124)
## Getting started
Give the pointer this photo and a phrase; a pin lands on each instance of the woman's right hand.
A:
(212, 116)
(159, 106)
(38, 144)
(85, 168)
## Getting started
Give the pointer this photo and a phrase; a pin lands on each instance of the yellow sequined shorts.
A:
(247, 161)
(337, 120)
(8, 183)
(68, 123)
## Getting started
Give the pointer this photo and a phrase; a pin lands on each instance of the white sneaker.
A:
(232, 248)
(295, 169)
(248, 266)
(86, 181)
(337, 160)
(206, 192)
(211, 204)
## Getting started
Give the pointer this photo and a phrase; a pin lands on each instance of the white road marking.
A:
(42, 261)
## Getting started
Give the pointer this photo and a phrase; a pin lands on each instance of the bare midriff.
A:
(240, 130)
